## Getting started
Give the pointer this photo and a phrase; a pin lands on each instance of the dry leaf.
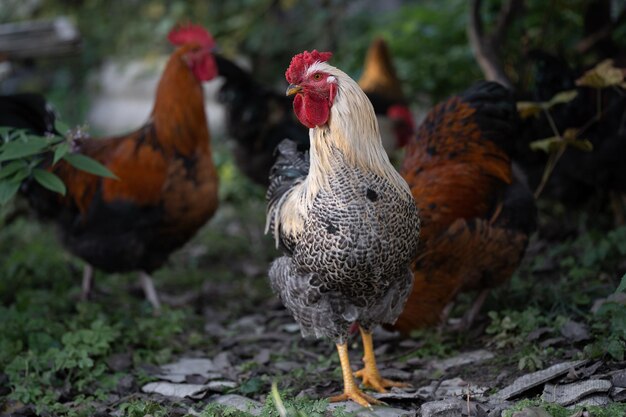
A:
(562, 97)
(601, 76)
(554, 143)
(528, 109)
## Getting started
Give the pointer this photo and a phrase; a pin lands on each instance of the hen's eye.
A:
(317, 76)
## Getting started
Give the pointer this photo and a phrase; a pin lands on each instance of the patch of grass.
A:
(609, 327)
(140, 408)
(555, 410)
(434, 344)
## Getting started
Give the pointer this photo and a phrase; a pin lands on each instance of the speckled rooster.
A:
(344, 217)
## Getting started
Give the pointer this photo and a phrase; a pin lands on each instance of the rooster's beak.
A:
(293, 89)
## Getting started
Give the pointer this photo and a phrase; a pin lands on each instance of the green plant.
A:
(609, 326)
(140, 408)
(22, 154)
(555, 410)
(510, 328)
(41, 378)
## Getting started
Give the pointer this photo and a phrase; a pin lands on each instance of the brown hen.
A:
(167, 183)
(476, 213)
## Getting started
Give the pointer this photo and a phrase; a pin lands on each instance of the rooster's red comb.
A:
(301, 62)
(190, 33)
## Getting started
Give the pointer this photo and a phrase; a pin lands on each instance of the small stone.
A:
(538, 333)
(120, 361)
(455, 387)
(395, 374)
(240, 403)
(222, 361)
(571, 393)
(592, 400)
(291, 328)
(214, 329)
(196, 379)
(574, 331)
(466, 358)
(263, 357)
(125, 384)
(287, 366)
(618, 394)
(221, 386)
(551, 342)
(529, 381)
(178, 371)
(619, 379)
(376, 411)
(170, 389)
(445, 408)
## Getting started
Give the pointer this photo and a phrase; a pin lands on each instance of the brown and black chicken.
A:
(167, 183)
(477, 214)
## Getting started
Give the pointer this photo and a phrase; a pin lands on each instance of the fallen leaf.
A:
(602, 75)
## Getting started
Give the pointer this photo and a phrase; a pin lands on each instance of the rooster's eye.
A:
(317, 76)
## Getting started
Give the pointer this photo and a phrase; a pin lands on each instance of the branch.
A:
(486, 46)
(584, 45)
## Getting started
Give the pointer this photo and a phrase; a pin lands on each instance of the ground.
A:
(64, 357)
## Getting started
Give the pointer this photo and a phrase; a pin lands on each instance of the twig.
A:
(584, 45)
(486, 46)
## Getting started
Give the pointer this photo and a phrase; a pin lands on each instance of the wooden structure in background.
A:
(38, 39)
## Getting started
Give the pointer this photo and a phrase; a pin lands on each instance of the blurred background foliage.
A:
(427, 38)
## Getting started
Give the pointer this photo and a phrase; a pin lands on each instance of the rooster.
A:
(477, 213)
(167, 183)
(258, 118)
(344, 218)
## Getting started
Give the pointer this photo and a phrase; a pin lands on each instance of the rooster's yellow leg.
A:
(350, 390)
(369, 374)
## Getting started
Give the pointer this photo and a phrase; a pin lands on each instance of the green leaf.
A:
(60, 152)
(615, 348)
(622, 285)
(61, 127)
(528, 109)
(11, 168)
(5, 131)
(8, 189)
(548, 145)
(18, 149)
(562, 97)
(87, 164)
(49, 180)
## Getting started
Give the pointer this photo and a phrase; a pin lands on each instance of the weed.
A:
(140, 408)
(609, 326)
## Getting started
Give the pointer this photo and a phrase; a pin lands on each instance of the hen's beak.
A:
(293, 89)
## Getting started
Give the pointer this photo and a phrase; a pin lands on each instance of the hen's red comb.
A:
(190, 33)
(301, 62)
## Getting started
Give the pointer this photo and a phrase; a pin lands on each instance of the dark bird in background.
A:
(27, 111)
(259, 118)
(477, 214)
(581, 176)
(344, 218)
(167, 183)
(384, 89)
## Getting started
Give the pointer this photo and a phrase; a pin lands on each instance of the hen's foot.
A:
(357, 396)
(372, 379)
